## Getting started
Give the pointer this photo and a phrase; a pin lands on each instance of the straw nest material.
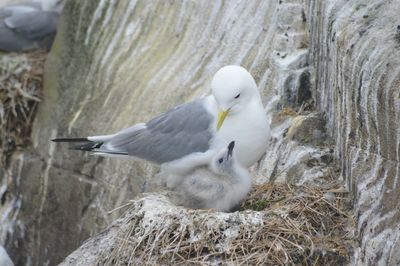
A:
(20, 86)
(278, 225)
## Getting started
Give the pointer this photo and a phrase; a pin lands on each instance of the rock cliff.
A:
(115, 63)
(355, 55)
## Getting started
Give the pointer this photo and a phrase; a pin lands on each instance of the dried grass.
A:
(278, 225)
(20, 87)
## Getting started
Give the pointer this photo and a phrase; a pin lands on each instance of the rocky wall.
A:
(355, 52)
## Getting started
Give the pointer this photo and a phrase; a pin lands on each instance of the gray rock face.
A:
(116, 63)
(356, 54)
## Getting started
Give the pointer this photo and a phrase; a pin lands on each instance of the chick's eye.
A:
(237, 96)
(220, 160)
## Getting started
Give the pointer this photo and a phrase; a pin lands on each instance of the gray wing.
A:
(183, 130)
(5, 13)
(19, 9)
(33, 25)
(11, 41)
(25, 27)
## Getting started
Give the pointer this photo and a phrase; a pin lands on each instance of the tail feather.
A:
(87, 146)
(108, 153)
(84, 144)
(70, 140)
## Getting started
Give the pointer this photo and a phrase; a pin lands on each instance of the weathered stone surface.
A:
(308, 129)
(299, 151)
(356, 63)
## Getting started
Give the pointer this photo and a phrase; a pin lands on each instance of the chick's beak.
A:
(221, 117)
(230, 149)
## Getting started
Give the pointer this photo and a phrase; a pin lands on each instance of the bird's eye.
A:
(220, 160)
(237, 96)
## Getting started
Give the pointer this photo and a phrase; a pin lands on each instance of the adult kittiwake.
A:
(220, 185)
(29, 25)
(190, 134)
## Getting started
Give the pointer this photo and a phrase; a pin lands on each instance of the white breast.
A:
(250, 131)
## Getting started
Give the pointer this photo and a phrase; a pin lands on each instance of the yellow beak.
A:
(221, 117)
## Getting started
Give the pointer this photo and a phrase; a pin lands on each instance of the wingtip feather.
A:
(70, 140)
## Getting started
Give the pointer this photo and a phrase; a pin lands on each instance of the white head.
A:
(224, 161)
(53, 5)
(233, 88)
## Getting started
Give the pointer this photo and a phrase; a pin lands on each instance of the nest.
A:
(279, 224)
(20, 87)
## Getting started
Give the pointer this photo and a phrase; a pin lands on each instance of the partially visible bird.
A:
(221, 185)
(190, 134)
(4, 258)
(29, 26)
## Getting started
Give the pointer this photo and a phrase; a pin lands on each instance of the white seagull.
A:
(29, 25)
(220, 185)
(190, 134)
